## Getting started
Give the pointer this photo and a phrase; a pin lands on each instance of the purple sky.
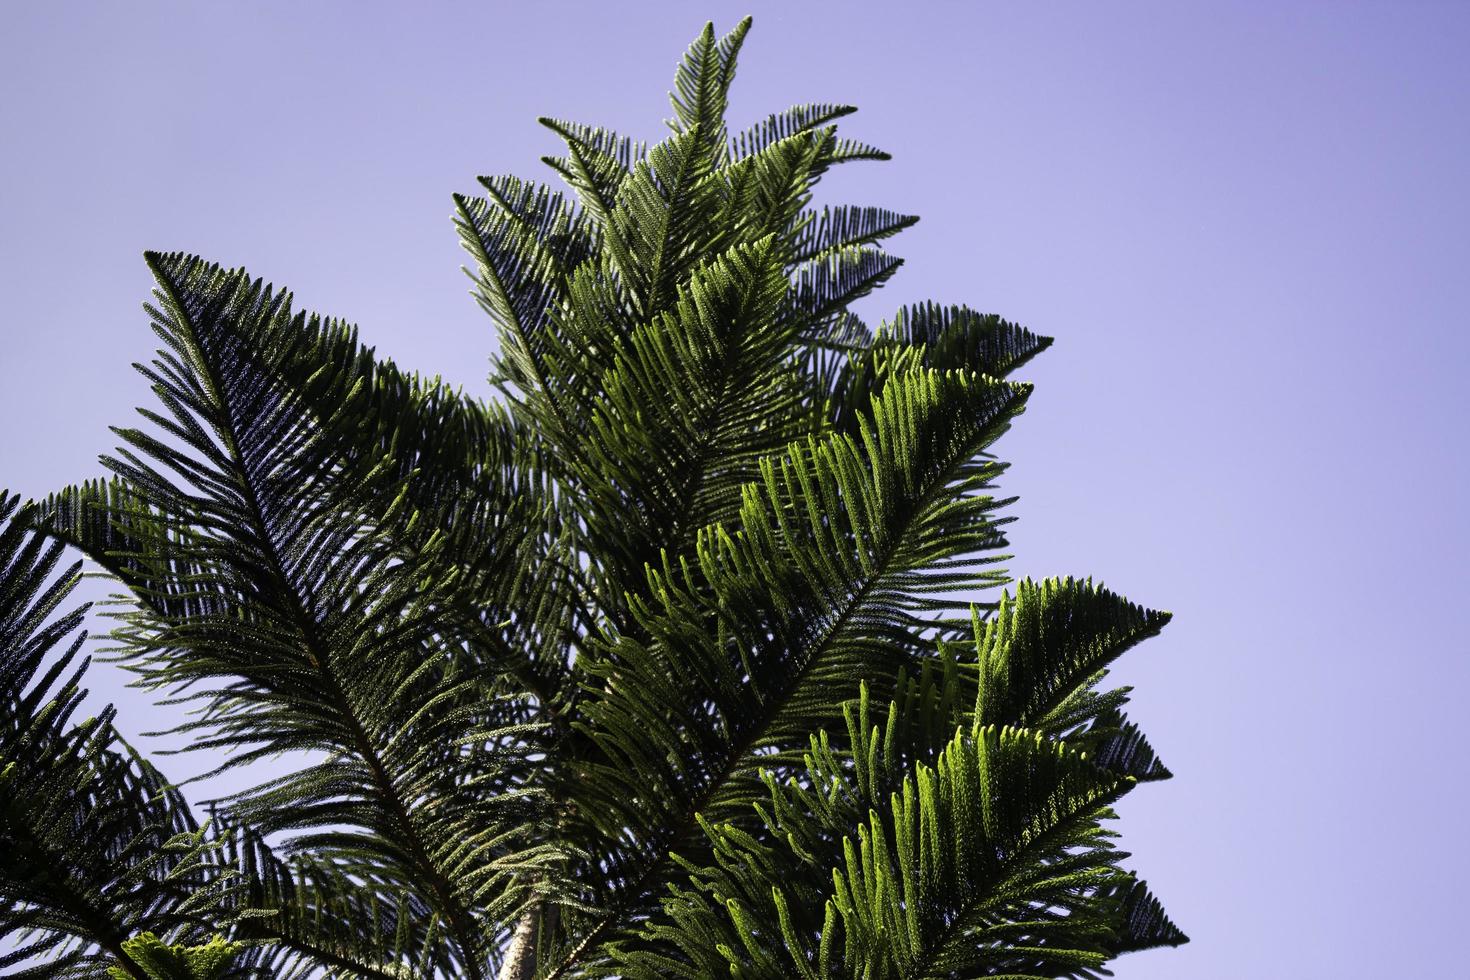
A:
(1248, 229)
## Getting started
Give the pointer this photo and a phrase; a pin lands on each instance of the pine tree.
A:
(687, 656)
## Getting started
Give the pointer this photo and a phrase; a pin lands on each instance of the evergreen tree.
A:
(689, 656)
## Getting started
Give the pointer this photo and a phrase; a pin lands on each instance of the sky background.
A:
(1246, 224)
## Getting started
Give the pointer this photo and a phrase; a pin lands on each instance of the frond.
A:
(300, 915)
(596, 164)
(1045, 650)
(844, 227)
(767, 193)
(988, 861)
(801, 119)
(296, 621)
(1141, 920)
(959, 337)
(962, 874)
(98, 845)
(688, 404)
(843, 551)
(526, 242)
(826, 286)
(663, 220)
(213, 960)
(943, 337)
(702, 84)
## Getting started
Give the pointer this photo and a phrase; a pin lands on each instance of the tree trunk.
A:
(520, 955)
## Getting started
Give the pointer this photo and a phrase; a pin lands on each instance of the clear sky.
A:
(1247, 225)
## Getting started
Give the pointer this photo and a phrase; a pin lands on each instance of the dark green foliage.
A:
(96, 843)
(678, 659)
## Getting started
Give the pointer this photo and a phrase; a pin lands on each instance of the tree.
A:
(666, 663)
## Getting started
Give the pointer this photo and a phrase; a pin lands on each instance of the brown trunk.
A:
(520, 955)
